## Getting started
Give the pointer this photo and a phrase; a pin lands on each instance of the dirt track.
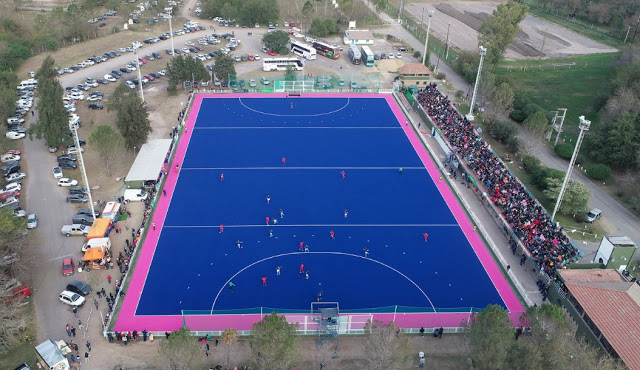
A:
(537, 39)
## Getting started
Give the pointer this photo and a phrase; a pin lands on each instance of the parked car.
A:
(75, 229)
(9, 157)
(9, 201)
(74, 150)
(77, 189)
(83, 220)
(79, 287)
(593, 215)
(77, 198)
(264, 80)
(87, 211)
(12, 151)
(14, 135)
(15, 177)
(93, 106)
(67, 164)
(32, 221)
(65, 181)
(67, 157)
(12, 186)
(67, 266)
(70, 298)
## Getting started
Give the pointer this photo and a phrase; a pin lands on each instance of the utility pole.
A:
(426, 40)
(446, 54)
(483, 52)
(173, 49)
(135, 49)
(584, 126)
(400, 12)
(84, 170)
(627, 35)
(558, 126)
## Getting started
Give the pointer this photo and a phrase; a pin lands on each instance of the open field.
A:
(538, 38)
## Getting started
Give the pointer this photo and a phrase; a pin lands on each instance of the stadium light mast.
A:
(584, 127)
(83, 170)
(426, 40)
(483, 52)
(135, 49)
(173, 49)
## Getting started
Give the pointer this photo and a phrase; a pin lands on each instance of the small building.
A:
(149, 164)
(606, 308)
(358, 37)
(615, 252)
(414, 74)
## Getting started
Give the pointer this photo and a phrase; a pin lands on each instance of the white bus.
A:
(303, 50)
(28, 84)
(280, 64)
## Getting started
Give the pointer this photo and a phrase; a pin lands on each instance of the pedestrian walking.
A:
(284, 160)
(268, 199)
(125, 340)
(267, 219)
(109, 279)
(301, 268)
(86, 356)
(343, 174)
(346, 213)
(274, 220)
(231, 285)
(281, 213)
(103, 292)
(73, 330)
(239, 243)
(80, 324)
(301, 246)
(69, 326)
(271, 233)
(221, 228)
(422, 332)
(425, 237)
(164, 192)
(278, 270)
(333, 235)
(306, 275)
(306, 248)
(88, 346)
(440, 333)
(153, 223)
(264, 280)
(99, 293)
(366, 252)
(221, 177)
(177, 167)
(75, 311)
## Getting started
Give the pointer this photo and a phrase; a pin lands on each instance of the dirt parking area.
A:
(538, 38)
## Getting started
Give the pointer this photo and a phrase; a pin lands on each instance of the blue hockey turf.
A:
(388, 213)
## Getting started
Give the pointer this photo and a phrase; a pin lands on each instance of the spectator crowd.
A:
(548, 245)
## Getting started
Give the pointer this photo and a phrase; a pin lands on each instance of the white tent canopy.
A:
(149, 161)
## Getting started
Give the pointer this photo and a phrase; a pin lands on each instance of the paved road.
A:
(616, 218)
(48, 201)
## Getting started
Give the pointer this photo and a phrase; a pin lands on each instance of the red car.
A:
(9, 194)
(271, 52)
(197, 47)
(292, 24)
(150, 78)
(251, 57)
(12, 151)
(143, 61)
(67, 267)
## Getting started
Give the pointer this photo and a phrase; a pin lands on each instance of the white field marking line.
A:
(302, 168)
(303, 127)
(295, 115)
(307, 253)
(305, 225)
(60, 257)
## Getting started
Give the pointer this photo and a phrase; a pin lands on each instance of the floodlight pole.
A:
(84, 170)
(483, 52)
(135, 49)
(584, 126)
(426, 40)
(446, 54)
(173, 49)
(558, 127)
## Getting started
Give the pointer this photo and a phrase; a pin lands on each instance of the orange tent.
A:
(99, 228)
(93, 254)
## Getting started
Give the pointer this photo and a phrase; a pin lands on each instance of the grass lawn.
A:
(23, 352)
(574, 86)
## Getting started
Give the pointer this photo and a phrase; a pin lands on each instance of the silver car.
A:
(32, 221)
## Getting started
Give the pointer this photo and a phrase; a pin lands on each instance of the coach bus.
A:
(354, 54)
(280, 64)
(303, 50)
(329, 51)
(367, 56)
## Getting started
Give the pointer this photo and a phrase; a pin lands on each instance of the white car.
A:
(130, 84)
(65, 181)
(392, 56)
(15, 177)
(20, 213)
(9, 157)
(74, 150)
(57, 172)
(94, 98)
(14, 135)
(109, 78)
(32, 221)
(71, 298)
(398, 55)
(12, 186)
(75, 229)
(92, 83)
(257, 57)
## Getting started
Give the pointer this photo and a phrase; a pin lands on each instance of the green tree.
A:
(121, 93)
(290, 73)
(503, 131)
(575, 199)
(274, 343)
(133, 122)
(179, 352)
(276, 41)
(187, 68)
(53, 123)
(224, 67)
(500, 102)
(323, 27)
(8, 81)
(109, 144)
(386, 346)
(537, 124)
(499, 29)
(618, 140)
(490, 337)
(307, 8)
